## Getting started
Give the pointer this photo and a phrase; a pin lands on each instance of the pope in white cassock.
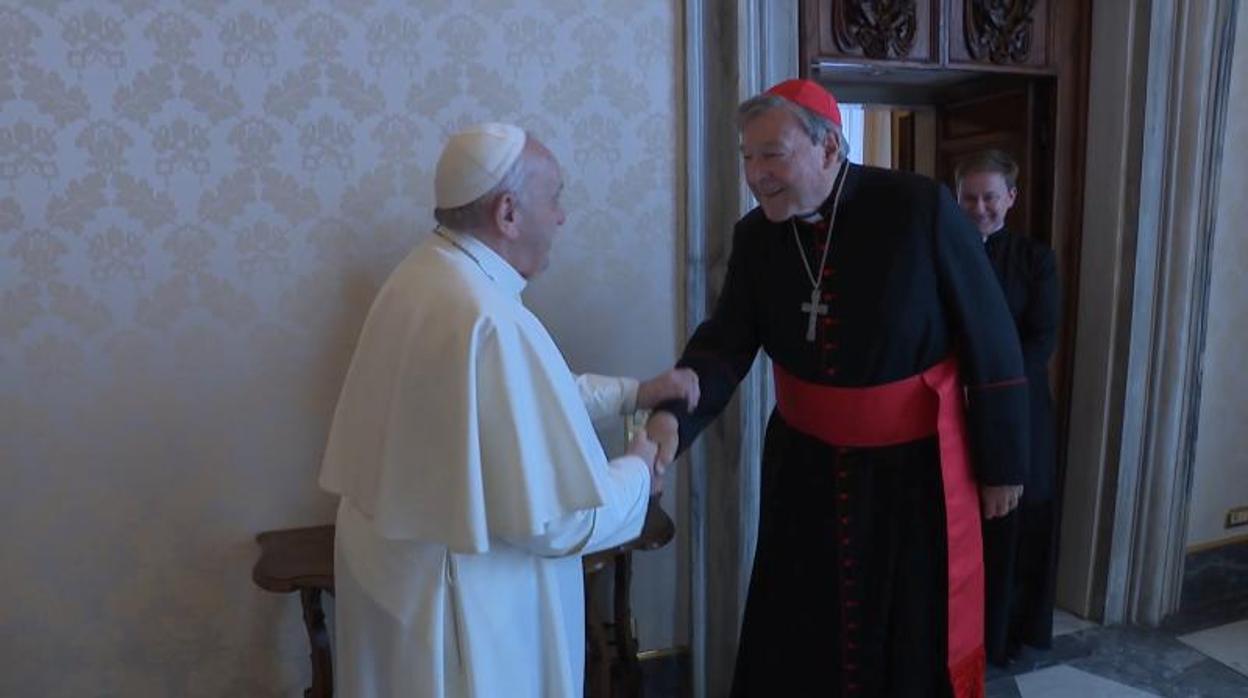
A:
(470, 476)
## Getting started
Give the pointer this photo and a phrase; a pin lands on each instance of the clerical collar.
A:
(821, 214)
(487, 260)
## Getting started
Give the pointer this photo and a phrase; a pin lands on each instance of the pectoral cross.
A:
(814, 308)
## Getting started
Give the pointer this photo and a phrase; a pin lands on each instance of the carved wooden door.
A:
(966, 34)
(892, 31)
(1005, 33)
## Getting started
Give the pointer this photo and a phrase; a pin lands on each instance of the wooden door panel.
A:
(885, 31)
(1011, 33)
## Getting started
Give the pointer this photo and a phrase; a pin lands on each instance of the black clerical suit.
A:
(848, 595)
(1020, 550)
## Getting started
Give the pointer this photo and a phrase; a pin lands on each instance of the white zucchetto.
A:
(474, 161)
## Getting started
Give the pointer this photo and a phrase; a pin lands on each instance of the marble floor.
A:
(1193, 656)
(1185, 658)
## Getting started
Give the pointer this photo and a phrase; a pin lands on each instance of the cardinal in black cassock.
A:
(1020, 550)
(901, 404)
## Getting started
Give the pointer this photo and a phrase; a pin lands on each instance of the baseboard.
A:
(1213, 545)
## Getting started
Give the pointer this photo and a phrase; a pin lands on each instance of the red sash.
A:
(926, 404)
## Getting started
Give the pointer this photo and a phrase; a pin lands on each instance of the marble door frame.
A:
(732, 50)
(1179, 72)
(1159, 83)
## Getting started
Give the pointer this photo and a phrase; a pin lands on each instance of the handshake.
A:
(656, 444)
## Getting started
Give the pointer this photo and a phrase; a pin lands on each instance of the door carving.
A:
(999, 31)
(880, 29)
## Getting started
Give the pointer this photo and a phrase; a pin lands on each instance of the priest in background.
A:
(471, 479)
(1020, 550)
(901, 404)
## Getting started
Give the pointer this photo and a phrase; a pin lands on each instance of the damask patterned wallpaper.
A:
(198, 201)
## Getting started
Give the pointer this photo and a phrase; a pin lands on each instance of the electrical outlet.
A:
(1237, 517)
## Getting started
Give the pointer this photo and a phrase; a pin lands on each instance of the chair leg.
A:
(625, 640)
(318, 638)
(597, 665)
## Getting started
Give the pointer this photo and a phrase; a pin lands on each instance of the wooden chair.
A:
(618, 673)
(302, 560)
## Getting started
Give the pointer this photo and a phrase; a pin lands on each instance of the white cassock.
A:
(472, 482)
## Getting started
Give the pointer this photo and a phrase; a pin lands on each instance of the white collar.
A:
(490, 262)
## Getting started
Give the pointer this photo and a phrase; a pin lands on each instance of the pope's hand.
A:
(664, 431)
(675, 384)
(648, 451)
(997, 501)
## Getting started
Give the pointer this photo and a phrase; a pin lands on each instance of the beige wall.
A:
(197, 202)
(1221, 470)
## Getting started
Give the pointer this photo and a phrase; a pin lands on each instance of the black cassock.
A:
(1020, 550)
(849, 588)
